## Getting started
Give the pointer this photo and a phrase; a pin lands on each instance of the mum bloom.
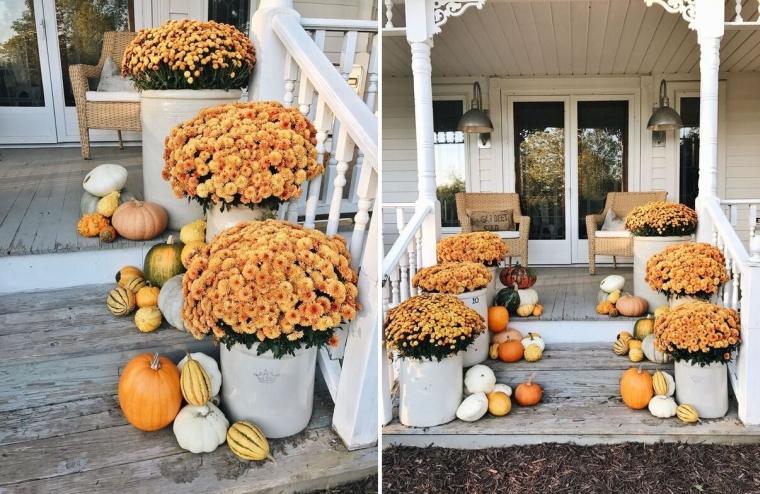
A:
(452, 277)
(661, 219)
(696, 270)
(482, 247)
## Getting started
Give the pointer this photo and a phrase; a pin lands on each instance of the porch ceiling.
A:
(573, 37)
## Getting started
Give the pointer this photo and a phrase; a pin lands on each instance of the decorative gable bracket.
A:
(686, 8)
(443, 9)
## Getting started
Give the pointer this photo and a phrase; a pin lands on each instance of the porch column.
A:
(268, 79)
(709, 22)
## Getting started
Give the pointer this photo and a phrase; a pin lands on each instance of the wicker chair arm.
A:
(79, 75)
(592, 223)
(524, 224)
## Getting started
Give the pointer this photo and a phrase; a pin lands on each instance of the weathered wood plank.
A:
(53, 211)
(22, 304)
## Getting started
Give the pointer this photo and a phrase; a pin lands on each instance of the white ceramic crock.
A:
(643, 249)
(275, 394)
(160, 111)
(675, 302)
(429, 391)
(477, 352)
(494, 286)
(705, 388)
(218, 220)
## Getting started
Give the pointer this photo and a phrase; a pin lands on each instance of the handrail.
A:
(402, 242)
(739, 201)
(359, 121)
(727, 233)
(361, 26)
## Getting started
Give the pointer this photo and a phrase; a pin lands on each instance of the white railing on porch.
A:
(742, 214)
(293, 67)
(745, 17)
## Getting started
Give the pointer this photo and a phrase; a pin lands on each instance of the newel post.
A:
(709, 25)
(268, 79)
(747, 384)
(419, 22)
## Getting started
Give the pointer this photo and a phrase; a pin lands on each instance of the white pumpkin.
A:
(533, 339)
(473, 407)
(479, 379)
(611, 283)
(671, 384)
(210, 366)
(503, 388)
(662, 406)
(104, 179)
(528, 296)
(88, 204)
(127, 195)
(651, 352)
(170, 300)
(200, 429)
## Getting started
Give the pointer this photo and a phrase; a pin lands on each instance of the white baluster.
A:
(752, 214)
(737, 286)
(418, 241)
(389, 13)
(738, 10)
(365, 188)
(344, 153)
(291, 74)
(395, 293)
(728, 286)
(322, 122)
(403, 265)
(733, 214)
(370, 99)
(412, 252)
(386, 295)
(754, 238)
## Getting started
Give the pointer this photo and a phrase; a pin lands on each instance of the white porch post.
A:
(709, 25)
(419, 22)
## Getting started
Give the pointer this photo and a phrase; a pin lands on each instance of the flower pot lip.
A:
(662, 239)
(697, 366)
(239, 347)
(445, 359)
(189, 93)
(473, 293)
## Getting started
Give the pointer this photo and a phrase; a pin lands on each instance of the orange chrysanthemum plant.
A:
(694, 270)
(481, 247)
(452, 277)
(189, 54)
(661, 219)
(431, 326)
(698, 332)
(271, 283)
(252, 154)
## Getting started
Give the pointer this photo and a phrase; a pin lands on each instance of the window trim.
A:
(463, 97)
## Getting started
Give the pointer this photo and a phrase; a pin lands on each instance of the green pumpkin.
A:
(508, 298)
(163, 261)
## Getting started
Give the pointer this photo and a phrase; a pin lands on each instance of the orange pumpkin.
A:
(509, 334)
(137, 220)
(631, 306)
(149, 392)
(511, 351)
(528, 393)
(498, 318)
(636, 388)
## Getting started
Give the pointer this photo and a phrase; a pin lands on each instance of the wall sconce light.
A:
(475, 120)
(663, 117)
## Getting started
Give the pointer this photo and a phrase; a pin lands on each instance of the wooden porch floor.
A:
(581, 405)
(61, 429)
(40, 190)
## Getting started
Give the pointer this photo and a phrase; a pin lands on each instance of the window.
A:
(20, 75)
(450, 158)
(689, 151)
(235, 12)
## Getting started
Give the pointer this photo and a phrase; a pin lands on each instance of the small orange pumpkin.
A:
(147, 296)
(149, 392)
(511, 351)
(138, 220)
(498, 318)
(528, 393)
(636, 388)
(90, 225)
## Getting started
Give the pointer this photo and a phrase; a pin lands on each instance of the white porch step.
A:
(581, 405)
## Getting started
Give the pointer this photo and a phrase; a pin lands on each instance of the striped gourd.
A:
(687, 413)
(121, 301)
(620, 347)
(660, 383)
(195, 382)
(247, 441)
(135, 284)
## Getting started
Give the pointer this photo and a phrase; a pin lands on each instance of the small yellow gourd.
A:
(660, 383)
(635, 354)
(625, 335)
(195, 382)
(525, 310)
(135, 284)
(148, 319)
(193, 232)
(120, 301)
(687, 413)
(634, 343)
(108, 204)
(493, 351)
(533, 353)
(247, 441)
(126, 273)
(613, 297)
(147, 296)
(538, 310)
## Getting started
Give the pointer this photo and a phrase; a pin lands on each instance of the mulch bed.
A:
(364, 486)
(564, 468)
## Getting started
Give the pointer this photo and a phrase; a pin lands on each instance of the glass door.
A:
(600, 159)
(540, 142)
(26, 99)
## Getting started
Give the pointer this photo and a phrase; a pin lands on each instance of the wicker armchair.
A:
(518, 247)
(112, 115)
(621, 203)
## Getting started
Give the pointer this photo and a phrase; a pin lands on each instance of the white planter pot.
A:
(429, 391)
(705, 388)
(275, 394)
(493, 288)
(218, 220)
(643, 249)
(679, 301)
(477, 352)
(160, 111)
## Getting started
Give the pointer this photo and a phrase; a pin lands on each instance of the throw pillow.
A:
(492, 221)
(111, 81)
(612, 223)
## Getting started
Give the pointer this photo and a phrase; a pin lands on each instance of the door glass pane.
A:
(450, 151)
(235, 12)
(20, 76)
(540, 166)
(602, 155)
(689, 151)
(81, 24)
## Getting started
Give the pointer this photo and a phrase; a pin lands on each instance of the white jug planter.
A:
(275, 394)
(675, 302)
(429, 391)
(218, 220)
(643, 249)
(160, 111)
(477, 351)
(705, 388)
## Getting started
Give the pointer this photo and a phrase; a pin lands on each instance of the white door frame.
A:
(26, 124)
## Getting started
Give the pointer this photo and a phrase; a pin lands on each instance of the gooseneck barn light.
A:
(475, 120)
(663, 117)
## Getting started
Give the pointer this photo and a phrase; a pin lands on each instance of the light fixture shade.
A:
(475, 120)
(665, 118)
